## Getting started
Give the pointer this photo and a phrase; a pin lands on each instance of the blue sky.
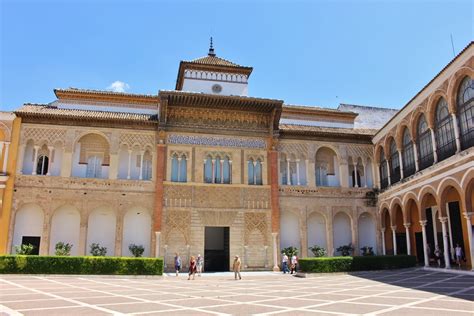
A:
(303, 52)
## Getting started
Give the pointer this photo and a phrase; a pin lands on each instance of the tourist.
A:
(294, 262)
(199, 262)
(177, 263)
(192, 268)
(438, 254)
(284, 261)
(459, 253)
(236, 267)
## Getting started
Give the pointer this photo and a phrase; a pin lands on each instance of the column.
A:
(309, 179)
(179, 169)
(142, 153)
(297, 171)
(213, 171)
(82, 249)
(254, 172)
(204, 171)
(160, 178)
(356, 184)
(221, 168)
(378, 176)
(129, 163)
(118, 235)
(365, 175)
(66, 163)
(394, 237)
(435, 229)
(467, 216)
(456, 132)
(415, 152)
(157, 243)
(384, 251)
(113, 167)
(433, 142)
(5, 159)
(50, 157)
(447, 261)
(35, 158)
(401, 164)
(19, 163)
(425, 242)
(388, 173)
(288, 174)
(275, 252)
(230, 171)
(407, 232)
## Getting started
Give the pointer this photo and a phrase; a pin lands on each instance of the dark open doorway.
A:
(216, 249)
(33, 240)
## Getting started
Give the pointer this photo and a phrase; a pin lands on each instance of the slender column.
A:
(5, 159)
(221, 162)
(447, 261)
(297, 171)
(394, 237)
(407, 232)
(467, 216)
(275, 252)
(288, 177)
(230, 171)
(254, 172)
(82, 250)
(433, 142)
(401, 164)
(456, 132)
(415, 152)
(129, 163)
(435, 229)
(142, 153)
(179, 168)
(118, 235)
(425, 243)
(204, 171)
(379, 176)
(388, 173)
(450, 234)
(356, 184)
(35, 157)
(50, 156)
(384, 251)
(213, 171)
(365, 175)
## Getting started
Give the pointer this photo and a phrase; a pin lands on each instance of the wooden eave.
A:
(183, 65)
(340, 134)
(311, 112)
(106, 96)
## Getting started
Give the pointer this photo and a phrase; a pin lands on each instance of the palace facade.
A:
(206, 169)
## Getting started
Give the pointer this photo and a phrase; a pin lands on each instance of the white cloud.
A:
(118, 86)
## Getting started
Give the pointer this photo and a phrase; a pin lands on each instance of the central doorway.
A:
(216, 249)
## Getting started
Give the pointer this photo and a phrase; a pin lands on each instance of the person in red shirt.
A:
(192, 268)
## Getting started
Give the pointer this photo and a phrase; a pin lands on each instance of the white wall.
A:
(205, 86)
(101, 230)
(316, 123)
(28, 159)
(28, 222)
(79, 170)
(123, 163)
(333, 180)
(342, 233)
(289, 230)
(136, 230)
(316, 232)
(57, 161)
(367, 231)
(65, 227)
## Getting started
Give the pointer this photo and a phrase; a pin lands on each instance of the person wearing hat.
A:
(236, 267)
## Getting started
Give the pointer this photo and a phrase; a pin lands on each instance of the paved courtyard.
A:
(401, 292)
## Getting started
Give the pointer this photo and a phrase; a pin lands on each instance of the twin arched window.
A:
(446, 143)
(255, 172)
(178, 168)
(425, 145)
(408, 156)
(394, 163)
(465, 102)
(217, 170)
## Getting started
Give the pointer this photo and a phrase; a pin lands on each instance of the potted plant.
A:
(63, 249)
(24, 249)
(367, 251)
(136, 250)
(97, 250)
(318, 251)
(345, 250)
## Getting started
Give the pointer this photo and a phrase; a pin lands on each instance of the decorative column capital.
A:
(468, 215)
(407, 225)
(423, 223)
(443, 219)
(394, 228)
(382, 229)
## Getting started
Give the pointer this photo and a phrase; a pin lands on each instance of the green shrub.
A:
(136, 250)
(345, 250)
(24, 249)
(97, 250)
(62, 249)
(80, 265)
(290, 251)
(318, 251)
(358, 263)
(367, 251)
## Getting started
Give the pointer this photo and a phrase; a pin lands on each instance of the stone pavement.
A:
(398, 292)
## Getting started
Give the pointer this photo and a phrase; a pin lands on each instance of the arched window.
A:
(174, 168)
(226, 170)
(465, 102)
(183, 177)
(94, 167)
(326, 168)
(218, 170)
(147, 163)
(178, 168)
(383, 170)
(425, 146)
(42, 165)
(251, 173)
(445, 141)
(208, 170)
(394, 163)
(408, 155)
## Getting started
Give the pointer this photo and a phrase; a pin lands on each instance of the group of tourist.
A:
(293, 263)
(195, 266)
(438, 254)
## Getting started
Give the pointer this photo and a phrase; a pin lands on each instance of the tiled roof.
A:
(215, 61)
(45, 110)
(328, 130)
(103, 92)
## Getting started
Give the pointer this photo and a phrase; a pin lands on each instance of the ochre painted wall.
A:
(8, 191)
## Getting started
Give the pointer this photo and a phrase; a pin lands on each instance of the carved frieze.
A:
(178, 221)
(216, 197)
(47, 135)
(136, 139)
(217, 218)
(216, 141)
(255, 221)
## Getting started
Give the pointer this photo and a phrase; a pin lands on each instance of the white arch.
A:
(28, 222)
(289, 230)
(101, 229)
(316, 231)
(136, 230)
(367, 231)
(342, 232)
(65, 227)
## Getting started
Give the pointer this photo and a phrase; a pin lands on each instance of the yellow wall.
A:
(8, 191)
